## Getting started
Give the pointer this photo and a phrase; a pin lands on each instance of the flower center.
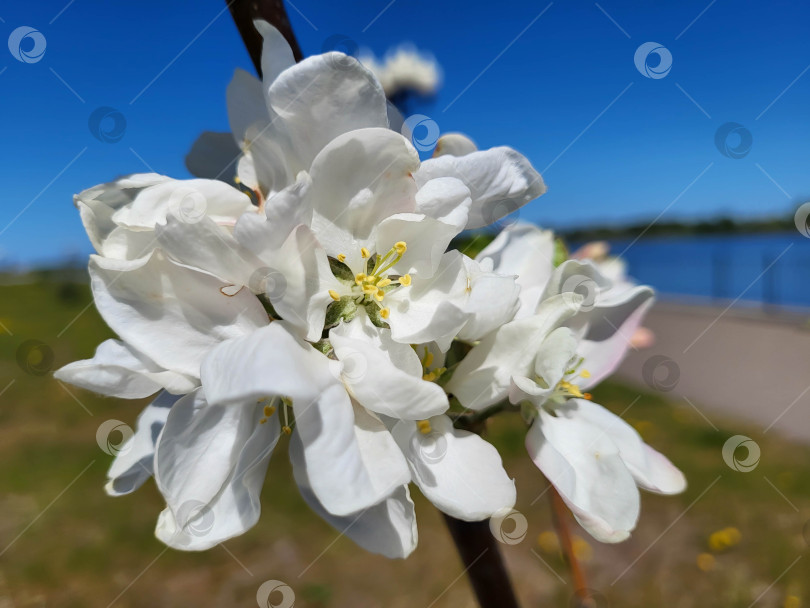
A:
(372, 284)
(566, 389)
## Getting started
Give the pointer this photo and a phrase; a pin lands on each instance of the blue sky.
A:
(555, 80)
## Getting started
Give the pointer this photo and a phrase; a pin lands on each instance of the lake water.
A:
(769, 269)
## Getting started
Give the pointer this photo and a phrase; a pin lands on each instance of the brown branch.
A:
(272, 11)
(559, 514)
(484, 565)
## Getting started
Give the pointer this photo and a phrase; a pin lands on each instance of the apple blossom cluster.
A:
(313, 305)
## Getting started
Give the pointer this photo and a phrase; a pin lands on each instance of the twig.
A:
(479, 552)
(559, 514)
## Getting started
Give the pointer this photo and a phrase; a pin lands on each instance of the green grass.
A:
(74, 546)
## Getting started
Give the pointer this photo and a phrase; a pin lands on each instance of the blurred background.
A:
(677, 133)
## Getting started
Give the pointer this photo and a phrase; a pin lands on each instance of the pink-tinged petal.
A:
(651, 469)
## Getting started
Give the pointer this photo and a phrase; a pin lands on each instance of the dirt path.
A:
(742, 363)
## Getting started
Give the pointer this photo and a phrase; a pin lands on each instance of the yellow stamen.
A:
(334, 295)
(286, 430)
(384, 283)
(365, 253)
(400, 247)
(269, 410)
(359, 278)
(263, 420)
(405, 280)
(428, 358)
(429, 377)
(379, 295)
(585, 373)
(341, 257)
(571, 389)
(423, 426)
(384, 312)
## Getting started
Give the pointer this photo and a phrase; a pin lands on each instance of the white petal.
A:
(188, 200)
(195, 524)
(501, 181)
(458, 471)
(351, 461)
(387, 528)
(484, 376)
(277, 55)
(205, 246)
(117, 370)
(427, 240)
(430, 309)
(323, 97)
(491, 299)
(651, 470)
(98, 204)
(299, 282)
(383, 375)
(198, 448)
(446, 199)
(358, 180)
(555, 354)
(454, 144)
(134, 461)
(173, 315)
(528, 252)
(246, 105)
(585, 466)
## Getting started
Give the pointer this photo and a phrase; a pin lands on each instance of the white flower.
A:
(405, 69)
(593, 458)
(121, 217)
